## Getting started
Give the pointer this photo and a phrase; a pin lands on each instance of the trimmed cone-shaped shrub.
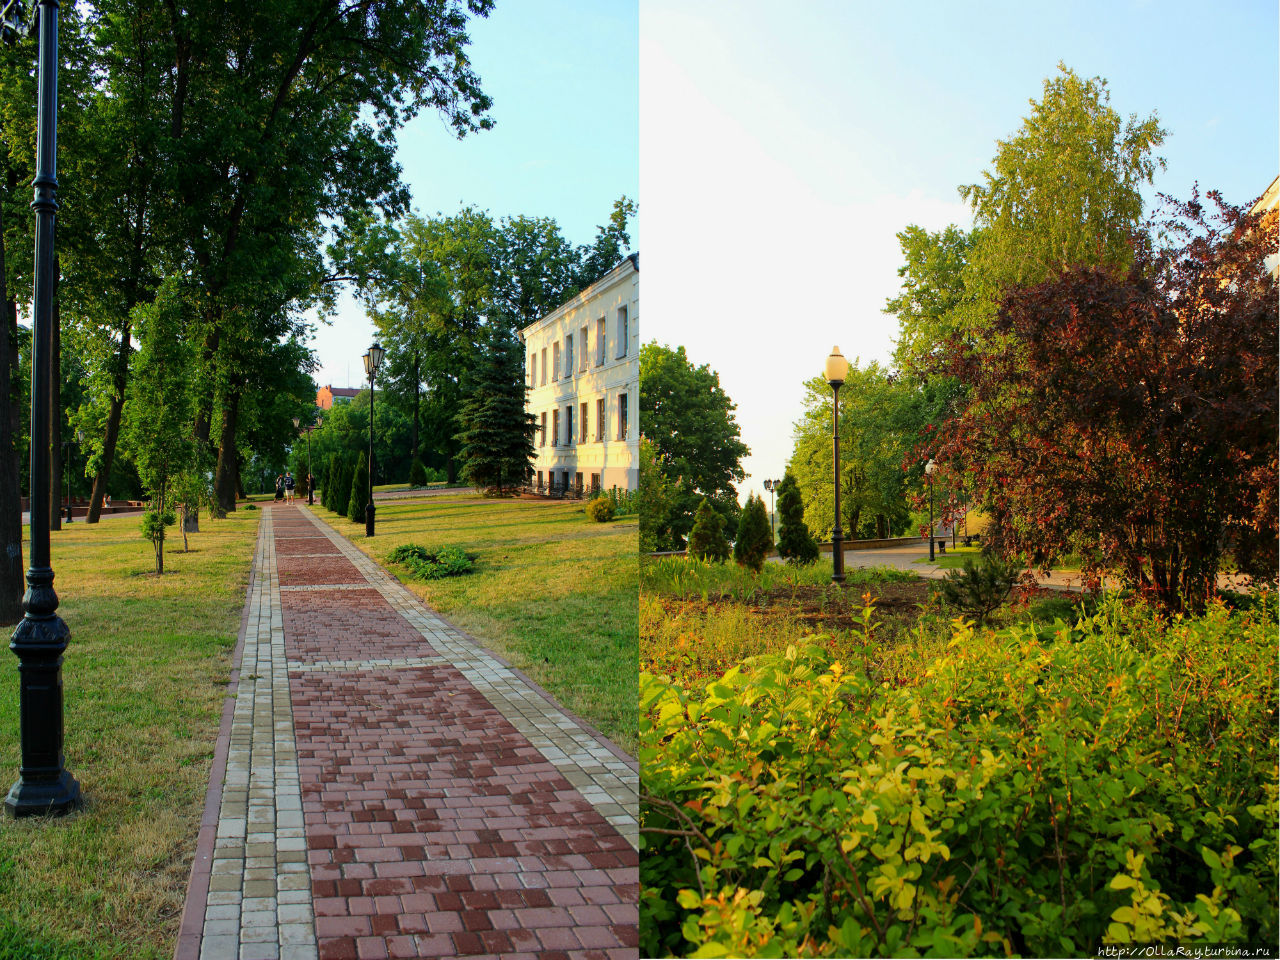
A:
(342, 492)
(359, 490)
(417, 474)
(754, 537)
(706, 539)
(795, 542)
(329, 482)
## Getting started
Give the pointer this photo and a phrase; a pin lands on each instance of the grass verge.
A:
(553, 593)
(144, 680)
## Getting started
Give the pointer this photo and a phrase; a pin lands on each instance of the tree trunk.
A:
(240, 495)
(55, 410)
(224, 481)
(113, 428)
(11, 578)
(413, 432)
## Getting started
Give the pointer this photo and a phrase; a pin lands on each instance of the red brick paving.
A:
(299, 571)
(305, 545)
(347, 625)
(434, 828)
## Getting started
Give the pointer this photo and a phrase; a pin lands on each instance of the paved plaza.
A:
(385, 787)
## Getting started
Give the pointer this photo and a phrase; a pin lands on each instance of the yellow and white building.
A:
(582, 365)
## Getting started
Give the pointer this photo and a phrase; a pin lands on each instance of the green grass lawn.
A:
(554, 593)
(144, 681)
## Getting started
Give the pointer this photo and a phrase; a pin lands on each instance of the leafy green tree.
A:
(497, 432)
(706, 539)
(934, 304)
(1063, 191)
(689, 419)
(654, 497)
(795, 542)
(359, 498)
(754, 536)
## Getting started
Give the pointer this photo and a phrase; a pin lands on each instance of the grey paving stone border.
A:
(606, 778)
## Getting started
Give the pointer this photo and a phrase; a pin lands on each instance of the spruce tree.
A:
(359, 490)
(795, 542)
(754, 538)
(497, 432)
(706, 539)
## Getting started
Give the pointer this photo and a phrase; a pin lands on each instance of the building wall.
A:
(611, 454)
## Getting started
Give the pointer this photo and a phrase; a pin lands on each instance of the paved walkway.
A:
(905, 557)
(384, 787)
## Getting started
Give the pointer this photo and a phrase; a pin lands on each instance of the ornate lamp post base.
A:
(45, 786)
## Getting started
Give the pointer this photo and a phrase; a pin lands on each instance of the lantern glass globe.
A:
(836, 367)
(930, 468)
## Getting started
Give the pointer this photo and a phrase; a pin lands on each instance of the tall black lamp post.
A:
(837, 368)
(930, 469)
(44, 784)
(372, 360)
(297, 422)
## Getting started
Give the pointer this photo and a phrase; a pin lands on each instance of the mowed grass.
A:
(554, 593)
(144, 680)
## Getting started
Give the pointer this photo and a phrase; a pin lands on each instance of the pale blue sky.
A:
(563, 75)
(784, 146)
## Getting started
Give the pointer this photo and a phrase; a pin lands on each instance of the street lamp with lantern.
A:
(835, 370)
(372, 360)
(930, 469)
(771, 486)
(297, 422)
(44, 784)
(66, 466)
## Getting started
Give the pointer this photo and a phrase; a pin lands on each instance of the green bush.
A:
(706, 539)
(1115, 784)
(977, 589)
(600, 509)
(427, 564)
(754, 536)
(417, 474)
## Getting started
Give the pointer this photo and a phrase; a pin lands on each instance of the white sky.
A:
(784, 146)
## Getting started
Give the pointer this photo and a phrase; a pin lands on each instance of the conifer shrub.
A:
(754, 537)
(978, 589)
(359, 498)
(417, 474)
(706, 539)
(795, 542)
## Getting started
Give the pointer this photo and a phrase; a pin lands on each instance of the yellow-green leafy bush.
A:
(1036, 794)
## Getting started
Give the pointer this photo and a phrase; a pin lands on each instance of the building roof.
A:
(627, 265)
(341, 391)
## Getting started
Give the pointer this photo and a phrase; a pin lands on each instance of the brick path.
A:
(384, 787)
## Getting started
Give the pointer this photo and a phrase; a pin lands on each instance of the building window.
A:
(533, 369)
(595, 483)
(622, 416)
(555, 361)
(623, 333)
(555, 427)
(600, 342)
(539, 479)
(600, 419)
(542, 442)
(568, 426)
(582, 419)
(582, 363)
(568, 355)
(544, 366)
(577, 482)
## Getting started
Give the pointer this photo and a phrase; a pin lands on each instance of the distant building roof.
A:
(627, 265)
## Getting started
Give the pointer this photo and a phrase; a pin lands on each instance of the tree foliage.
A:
(1134, 418)
(654, 498)
(689, 420)
(361, 495)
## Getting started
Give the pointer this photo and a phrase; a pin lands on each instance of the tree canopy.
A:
(689, 420)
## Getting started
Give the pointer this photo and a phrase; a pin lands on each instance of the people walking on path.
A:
(289, 484)
(385, 787)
